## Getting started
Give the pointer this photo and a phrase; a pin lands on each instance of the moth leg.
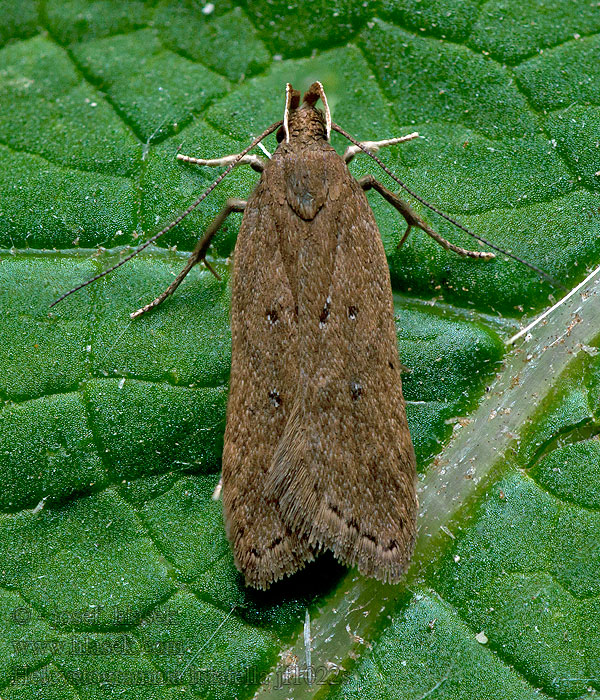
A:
(374, 146)
(413, 219)
(232, 205)
(250, 159)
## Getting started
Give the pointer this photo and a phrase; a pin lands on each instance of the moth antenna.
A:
(176, 221)
(382, 165)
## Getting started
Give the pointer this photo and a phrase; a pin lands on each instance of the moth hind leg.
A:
(368, 182)
(198, 255)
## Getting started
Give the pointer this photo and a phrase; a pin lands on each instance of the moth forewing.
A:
(344, 473)
(263, 370)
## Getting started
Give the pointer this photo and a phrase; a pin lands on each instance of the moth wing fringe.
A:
(303, 506)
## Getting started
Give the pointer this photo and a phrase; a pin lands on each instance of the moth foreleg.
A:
(199, 253)
(374, 146)
(368, 182)
(250, 159)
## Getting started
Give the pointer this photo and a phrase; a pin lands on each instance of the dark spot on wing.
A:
(272, 316)
(324, 314)
(355, 391)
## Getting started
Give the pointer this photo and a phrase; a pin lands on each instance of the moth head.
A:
(312, 119)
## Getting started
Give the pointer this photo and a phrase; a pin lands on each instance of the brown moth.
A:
(317, 451)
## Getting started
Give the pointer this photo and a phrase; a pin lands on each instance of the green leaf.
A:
(116, 578)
